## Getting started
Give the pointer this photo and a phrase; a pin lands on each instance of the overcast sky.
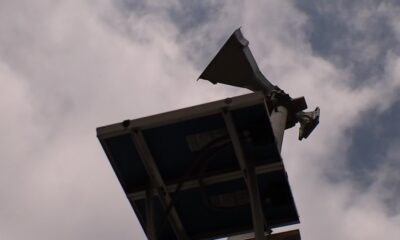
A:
(67, 67)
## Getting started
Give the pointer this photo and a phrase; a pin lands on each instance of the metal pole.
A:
(278, 121)
(256, 208)
(250, 178)
(150, 228)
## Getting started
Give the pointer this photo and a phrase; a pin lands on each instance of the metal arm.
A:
(235, 65)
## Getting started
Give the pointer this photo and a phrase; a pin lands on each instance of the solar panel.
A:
(184, 164)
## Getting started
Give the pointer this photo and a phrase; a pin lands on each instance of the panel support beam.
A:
(150, 227)
(249, 176)
(155, 176)
(278, 122)
(220, 178)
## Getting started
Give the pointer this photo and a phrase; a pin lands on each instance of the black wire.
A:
(220, 142)
(210, 205)
(202, 157)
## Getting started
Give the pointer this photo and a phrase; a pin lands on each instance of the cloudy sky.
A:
(67, 67)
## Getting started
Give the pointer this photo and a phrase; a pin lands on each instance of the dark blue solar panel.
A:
(171, 147)
(279, 207)
(252, 124)
(199, 148)
(202, 217)
(160, 221)
(125, 160)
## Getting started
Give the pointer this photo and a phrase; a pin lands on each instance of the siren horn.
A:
(235, 65)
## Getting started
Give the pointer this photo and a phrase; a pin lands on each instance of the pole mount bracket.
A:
(308, 121)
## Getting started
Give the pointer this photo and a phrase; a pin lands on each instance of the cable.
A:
(220, 142)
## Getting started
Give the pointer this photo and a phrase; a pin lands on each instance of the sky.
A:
(67, 67)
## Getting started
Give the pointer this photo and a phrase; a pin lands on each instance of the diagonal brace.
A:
(249, 176)
(159, 185)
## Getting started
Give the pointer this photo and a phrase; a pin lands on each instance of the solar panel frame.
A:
(123, 132)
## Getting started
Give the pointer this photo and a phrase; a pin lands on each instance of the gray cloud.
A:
(355, 36)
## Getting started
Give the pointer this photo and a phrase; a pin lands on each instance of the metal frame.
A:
(160, 186)
(150, 224)
(181, 114)
(248, 171)
(278, 122)
(249, 176)
(212, 179)
(278, 119)
(287, 235)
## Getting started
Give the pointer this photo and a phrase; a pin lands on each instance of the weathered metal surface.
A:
(308, 121)
(235, 65)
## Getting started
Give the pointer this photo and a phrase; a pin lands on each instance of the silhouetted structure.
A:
(215, 169)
